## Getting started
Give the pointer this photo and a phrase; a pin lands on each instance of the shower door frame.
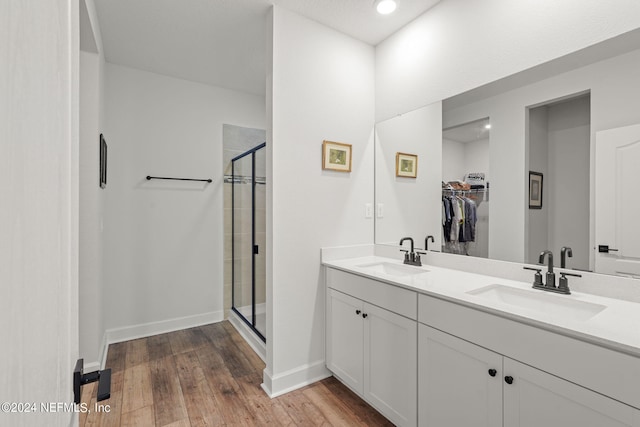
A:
(251, 324)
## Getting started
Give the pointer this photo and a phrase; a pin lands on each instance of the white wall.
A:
(569, 151)
(39, 209)
(458, 45)
(538, 219)
(452, 160)
(91, 196)
(163, 240)
(459, 159)
(615, 102)
(320, 85)
(559, 147)
(91, 209)
(406, 214)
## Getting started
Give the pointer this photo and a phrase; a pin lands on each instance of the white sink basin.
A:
(540, 301)
(392, 269)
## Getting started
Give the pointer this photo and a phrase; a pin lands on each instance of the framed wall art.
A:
(336, 156)
(406, 165)
(535, 190)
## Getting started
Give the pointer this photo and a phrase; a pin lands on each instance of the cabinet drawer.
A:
(603, 370)
(392, 298)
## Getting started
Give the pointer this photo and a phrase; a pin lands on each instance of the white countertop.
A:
(616, 327)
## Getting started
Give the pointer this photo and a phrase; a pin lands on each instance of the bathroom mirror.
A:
(548, 120)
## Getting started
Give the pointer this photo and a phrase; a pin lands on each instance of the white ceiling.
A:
(222, 42)
(469, 132)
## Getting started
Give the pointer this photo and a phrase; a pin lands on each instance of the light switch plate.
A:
(380, 213)
(368, 210)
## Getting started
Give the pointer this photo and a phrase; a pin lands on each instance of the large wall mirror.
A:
(546, 159)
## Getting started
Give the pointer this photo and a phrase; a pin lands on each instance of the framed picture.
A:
(406, 165)
(103, 162)
(336, 156)
(535, 190)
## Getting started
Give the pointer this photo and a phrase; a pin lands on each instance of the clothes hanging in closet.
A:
(458, 221)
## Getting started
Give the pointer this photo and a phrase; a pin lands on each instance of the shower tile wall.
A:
(237, 140)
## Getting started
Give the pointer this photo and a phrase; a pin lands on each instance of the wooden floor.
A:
(209, 376)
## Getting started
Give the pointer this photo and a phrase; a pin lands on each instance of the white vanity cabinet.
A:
(536, 398)
(371, 342)
(454, 383)
(462, 384)
(542, 378)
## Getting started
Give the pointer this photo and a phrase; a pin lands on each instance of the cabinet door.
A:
(459, 383)
(390, 364)
(345, 338)
(536, 398)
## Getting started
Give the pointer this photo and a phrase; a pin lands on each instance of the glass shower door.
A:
(249, 238)
(260, 241)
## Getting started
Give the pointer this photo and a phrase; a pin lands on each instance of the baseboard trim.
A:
(90, 367)
(144, 330)
(277, 385)
(249, 336)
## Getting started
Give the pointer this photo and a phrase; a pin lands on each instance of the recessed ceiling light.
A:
(487, 126)
(385, 7)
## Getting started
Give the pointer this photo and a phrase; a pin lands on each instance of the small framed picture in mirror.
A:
(406, 165)
(336, 156)
(535, 190)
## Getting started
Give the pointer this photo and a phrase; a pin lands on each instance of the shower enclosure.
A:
(248, 228)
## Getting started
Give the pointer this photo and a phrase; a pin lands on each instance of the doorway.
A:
(559, 138)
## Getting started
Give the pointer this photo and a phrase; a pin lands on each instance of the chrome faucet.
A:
(410, 257)
(551, 276)
(564, 253)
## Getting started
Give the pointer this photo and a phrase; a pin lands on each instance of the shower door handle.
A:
(255, 249)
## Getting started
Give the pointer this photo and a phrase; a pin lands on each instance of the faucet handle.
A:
(570, 274)
(537, 278)
(563, 285)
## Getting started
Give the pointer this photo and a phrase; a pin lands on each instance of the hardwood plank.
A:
(140, 417)
(334, 415)
(116, 355)
(91, 419)
(168, 402)
(136, 391)
(257, 363)
(234, 359)
(214, 331)
(303, 411)
(137, 353)
(88, 393)
(226, 391)
(114, 403)
(264, 409)
(158, 346)
(205, 386)
(201, 405)
(187, 340)
(358, 406)
(180, 423)
(336, 411)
